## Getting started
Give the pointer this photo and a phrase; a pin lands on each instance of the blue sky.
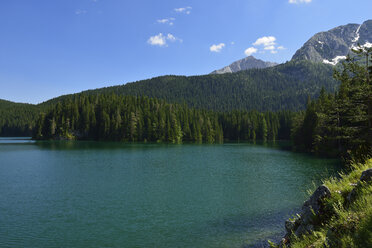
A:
(54, 47)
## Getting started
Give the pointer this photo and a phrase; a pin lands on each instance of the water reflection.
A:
(16, 140)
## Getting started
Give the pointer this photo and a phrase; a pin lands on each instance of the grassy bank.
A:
(346, 216)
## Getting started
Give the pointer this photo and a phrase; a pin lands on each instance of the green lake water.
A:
(97, 194)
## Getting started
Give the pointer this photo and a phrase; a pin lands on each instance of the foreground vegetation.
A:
(345, 219)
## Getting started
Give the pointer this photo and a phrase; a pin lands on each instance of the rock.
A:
(312, 211)
(245, 64)
(366, 176)
(314, 205)
(312, 208)
(290, 225)
(332, 46)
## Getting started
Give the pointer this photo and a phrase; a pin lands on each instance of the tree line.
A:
(130, 118)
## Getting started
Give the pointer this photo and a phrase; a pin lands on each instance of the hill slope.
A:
(283, 87)
(17, 119)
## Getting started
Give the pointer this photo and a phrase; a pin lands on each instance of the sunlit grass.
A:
(350, 225)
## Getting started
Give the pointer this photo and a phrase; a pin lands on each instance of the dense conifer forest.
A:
(129, 118)
(340, 124)
(284, 87)
(17, 119)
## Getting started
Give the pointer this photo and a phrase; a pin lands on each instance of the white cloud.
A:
(157, 40)
(217, 48)
(186, 10)
(299, 1)
(251, 50)
(269, 44)
(269, 48)
(232, 43)
(171, 37)
(80, 12)
(162, 21)
(161, 40)
(168, 21)
(265, 41)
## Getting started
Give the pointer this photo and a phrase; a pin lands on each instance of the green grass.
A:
(350, 223)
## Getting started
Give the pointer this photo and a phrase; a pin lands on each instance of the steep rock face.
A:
(365, 32)
(304, 223)
(332, 46)
(249, 62)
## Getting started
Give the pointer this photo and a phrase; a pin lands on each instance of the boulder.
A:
(312, 208)
(366, 176)
(314, 205)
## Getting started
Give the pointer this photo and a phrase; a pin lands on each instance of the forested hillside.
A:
(284, 87)
(17, 119)
(129, 118)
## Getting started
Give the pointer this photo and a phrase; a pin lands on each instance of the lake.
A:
(98, 194)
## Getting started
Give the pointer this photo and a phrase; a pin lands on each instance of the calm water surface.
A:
(90, 194)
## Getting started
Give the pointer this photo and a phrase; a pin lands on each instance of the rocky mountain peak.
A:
(249, 62)
(334, 45)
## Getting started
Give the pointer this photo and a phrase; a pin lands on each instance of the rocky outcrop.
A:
(249, 62)
(312, 212)
(366, 176)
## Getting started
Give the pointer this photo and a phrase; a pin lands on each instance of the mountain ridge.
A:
(246, 63)
(332, 46)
